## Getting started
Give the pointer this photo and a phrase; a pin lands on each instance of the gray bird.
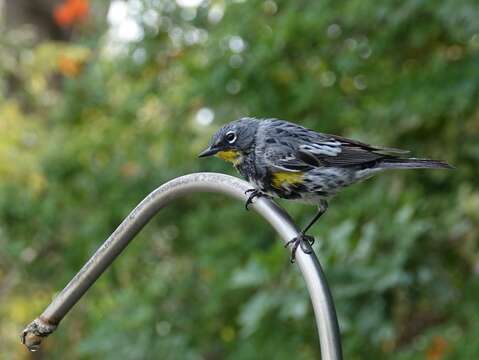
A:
(284, 160)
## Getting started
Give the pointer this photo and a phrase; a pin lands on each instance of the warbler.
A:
(284, 160)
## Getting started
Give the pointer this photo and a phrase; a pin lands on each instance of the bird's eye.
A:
(230, 137)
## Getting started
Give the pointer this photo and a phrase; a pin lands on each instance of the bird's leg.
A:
(253, 194)
(302, 238)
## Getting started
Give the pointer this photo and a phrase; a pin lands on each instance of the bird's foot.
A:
(253, 193)
(302, 240)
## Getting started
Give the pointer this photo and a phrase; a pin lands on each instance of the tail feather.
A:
(413, 163)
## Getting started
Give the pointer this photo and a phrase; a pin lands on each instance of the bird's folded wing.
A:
(284, 158)
(302, 152)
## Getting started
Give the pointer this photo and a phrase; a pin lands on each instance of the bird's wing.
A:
(352, 152)
(282, 157)
(377, 149)
(294, 148)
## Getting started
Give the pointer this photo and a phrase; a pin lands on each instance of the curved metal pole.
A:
(316, 283)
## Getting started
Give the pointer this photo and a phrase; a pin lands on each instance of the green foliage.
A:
(207, 280)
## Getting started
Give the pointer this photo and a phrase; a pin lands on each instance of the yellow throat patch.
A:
(287, 178)
(232, 156)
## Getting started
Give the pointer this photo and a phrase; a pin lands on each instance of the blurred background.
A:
(102, 101)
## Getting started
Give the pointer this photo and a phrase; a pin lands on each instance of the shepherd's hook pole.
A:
(326, 320)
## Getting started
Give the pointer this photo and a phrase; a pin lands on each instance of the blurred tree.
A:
(35, 13)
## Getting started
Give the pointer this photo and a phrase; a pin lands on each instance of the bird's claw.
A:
(254, 193)
(302, 240)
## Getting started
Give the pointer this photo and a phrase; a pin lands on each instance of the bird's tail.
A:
(412, 163)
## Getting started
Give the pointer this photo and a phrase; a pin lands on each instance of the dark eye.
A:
(230, 137)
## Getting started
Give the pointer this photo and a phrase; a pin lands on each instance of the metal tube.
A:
(319, 292)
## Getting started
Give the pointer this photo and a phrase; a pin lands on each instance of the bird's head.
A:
(233, 140)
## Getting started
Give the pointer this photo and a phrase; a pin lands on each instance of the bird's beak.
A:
(209, 151)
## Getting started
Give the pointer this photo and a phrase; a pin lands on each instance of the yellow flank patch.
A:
(287, 178)
(230, 155)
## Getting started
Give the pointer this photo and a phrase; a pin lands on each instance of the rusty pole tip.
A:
(34, 333)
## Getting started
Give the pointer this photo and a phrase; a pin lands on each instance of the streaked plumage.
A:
(285, 160)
